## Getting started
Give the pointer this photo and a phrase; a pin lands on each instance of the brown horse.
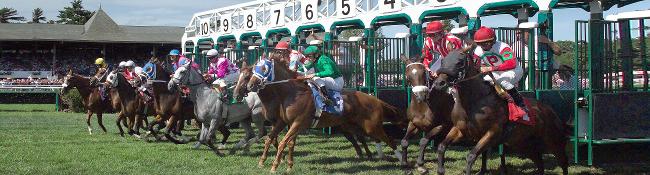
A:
(481, 115)
(170, 106)
(429, 111)
(291, 104)
(90, 97)
(352, 133)
(130, 102)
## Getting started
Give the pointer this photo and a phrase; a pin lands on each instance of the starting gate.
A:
(611, 84)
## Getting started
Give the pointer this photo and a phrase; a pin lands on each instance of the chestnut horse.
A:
(291, 104)
(91, 99)
(480, 114)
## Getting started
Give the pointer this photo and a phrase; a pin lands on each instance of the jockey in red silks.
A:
(497, 58)
(129, 73)
(440, 42)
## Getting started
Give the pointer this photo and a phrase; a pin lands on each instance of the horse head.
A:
(185, 75)
(454, 69)
(245, 74)
(417, 75)
(68, 82)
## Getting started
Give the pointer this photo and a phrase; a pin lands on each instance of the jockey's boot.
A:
(519, 100)
(326, 98)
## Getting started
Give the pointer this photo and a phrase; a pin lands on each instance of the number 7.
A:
(277, 21)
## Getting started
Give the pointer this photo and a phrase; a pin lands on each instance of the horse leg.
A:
(410, 130)
(117, 122)
(503, 167)
(146, 122)
(350, 137)
(100, 121)
(90, 128)
(483, 163)
(131, 123)
(246, 124)
(485, 141)
(138, 124)
(453, 136)
(202, 135)
(214, 124)
(292, 144)
(362, 140)
(226, 133)
(380, 134)
(558, 151)
(273, 135)
(291, 133)
(424, 141)
(535, 154)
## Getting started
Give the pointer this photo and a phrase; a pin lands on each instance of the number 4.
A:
(391, 2)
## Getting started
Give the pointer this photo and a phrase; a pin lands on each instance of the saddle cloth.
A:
(518, 115)
(319, 102)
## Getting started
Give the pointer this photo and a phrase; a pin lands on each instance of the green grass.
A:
(58, 143)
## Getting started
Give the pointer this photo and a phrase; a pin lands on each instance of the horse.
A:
(91, 99)
(211, 112)
(170, 106)
(289, 101)
(131, 104)
(429, 111)
(480, 114)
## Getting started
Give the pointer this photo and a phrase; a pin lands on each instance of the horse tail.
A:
(393, 114)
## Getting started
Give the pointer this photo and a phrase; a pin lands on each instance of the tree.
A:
(446, 25)
(8, 15)
(37, 15)
(75, 14)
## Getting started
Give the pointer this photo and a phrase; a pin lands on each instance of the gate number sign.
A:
(277, 16)
(346, 8)
(225, 23)
(204, 27)
(309, 9)
(250, 19)
(390, 5)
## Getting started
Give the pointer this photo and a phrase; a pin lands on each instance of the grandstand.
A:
(40, 53)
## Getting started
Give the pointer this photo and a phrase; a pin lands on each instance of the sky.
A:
(178, 13)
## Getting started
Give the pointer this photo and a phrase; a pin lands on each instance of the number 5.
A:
(345, 6)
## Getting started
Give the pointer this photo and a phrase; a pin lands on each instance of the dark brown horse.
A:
(429, 111)
(291, 104)
(481, 115)
(170, 106)
(90, 97)
(130, 102)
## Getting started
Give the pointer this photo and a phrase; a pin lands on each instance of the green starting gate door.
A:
(611, 84)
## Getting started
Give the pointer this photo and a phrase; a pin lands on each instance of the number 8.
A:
(249, 22)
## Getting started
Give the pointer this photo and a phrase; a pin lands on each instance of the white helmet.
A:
(129, 64)
(138, 70)
(122, 64)
(212, 52)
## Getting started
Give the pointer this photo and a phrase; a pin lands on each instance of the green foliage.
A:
(37, 16)
(73, 101)
(346, 34)
(9, 15)
(74, 14)
(567, 55)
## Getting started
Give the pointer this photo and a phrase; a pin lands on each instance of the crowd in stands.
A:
(27, 81)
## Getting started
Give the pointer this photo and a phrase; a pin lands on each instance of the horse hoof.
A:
(137, 136)
(197, 145)
(441, 171)
(289, 169)
(273, 171)
(221, 146)
(260, 165)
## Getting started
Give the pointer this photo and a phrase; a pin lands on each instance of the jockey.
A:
(296, 59)
(440, 42)
(129, 73)
(497, 57)
(179, 60)
(221, 70)
(102, 71)
(327, 73)
(121, 65)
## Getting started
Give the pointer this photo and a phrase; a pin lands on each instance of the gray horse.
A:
(211, 111)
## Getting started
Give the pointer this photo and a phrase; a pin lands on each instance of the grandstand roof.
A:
(99, 28)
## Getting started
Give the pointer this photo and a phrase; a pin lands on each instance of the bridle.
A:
(265, 71)
(188, 67)
(421, 88)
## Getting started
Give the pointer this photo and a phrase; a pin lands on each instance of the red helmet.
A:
(434, 27)
(282, 45)
(483, 34)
